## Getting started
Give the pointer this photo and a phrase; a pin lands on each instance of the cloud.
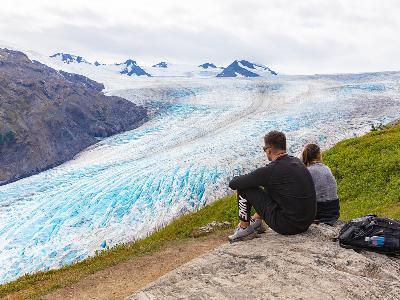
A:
(307, 36)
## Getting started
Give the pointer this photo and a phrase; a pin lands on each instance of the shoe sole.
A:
(244, 238)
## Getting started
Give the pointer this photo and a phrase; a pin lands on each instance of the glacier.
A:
(201, 133)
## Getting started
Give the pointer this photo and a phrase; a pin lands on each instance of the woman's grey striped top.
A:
(324, 181)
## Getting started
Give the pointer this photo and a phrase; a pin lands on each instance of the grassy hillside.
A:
(367, 170)
(368, 174)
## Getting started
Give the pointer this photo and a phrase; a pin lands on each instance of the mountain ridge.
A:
(53, 115)
(244, 68)
(69, 58)
(238, 68)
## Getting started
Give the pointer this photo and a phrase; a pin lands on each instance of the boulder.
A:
(305, 266)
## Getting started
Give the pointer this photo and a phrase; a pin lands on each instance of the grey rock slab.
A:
(305, 266)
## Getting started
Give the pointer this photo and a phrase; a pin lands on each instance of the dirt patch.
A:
(124, 279)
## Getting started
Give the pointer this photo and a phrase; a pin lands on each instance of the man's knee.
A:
(250, 193)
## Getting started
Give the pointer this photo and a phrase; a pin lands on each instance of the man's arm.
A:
(258, 177)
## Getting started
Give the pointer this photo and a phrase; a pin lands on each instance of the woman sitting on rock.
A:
(325, 186)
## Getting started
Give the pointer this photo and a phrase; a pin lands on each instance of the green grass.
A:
(367, 170)
(368, 173)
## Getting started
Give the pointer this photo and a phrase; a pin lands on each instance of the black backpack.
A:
(371, 233)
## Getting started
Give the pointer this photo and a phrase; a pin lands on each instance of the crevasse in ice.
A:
(201, 134)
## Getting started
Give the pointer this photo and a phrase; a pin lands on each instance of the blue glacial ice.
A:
(201, 134)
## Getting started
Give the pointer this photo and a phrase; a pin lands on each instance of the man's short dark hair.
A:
(276, 140)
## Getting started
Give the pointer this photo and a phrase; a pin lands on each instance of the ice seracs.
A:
(244, 68)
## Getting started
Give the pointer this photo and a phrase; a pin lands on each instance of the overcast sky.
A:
(294, 37)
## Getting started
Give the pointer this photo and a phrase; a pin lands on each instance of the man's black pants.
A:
(266, 207)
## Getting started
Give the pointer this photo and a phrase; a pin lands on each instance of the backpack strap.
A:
(387, 224)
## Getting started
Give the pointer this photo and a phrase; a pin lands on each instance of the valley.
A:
(200, 133)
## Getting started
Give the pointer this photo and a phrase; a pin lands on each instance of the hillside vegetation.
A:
(367, 169)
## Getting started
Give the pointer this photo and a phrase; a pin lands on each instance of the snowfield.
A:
(202, 132)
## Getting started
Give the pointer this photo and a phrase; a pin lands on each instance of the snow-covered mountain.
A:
(239, 68)
(69, 58)
(168, 69)
(131, 68)
(96, 70)
(244, 68)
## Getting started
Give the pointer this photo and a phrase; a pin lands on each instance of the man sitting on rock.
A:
(282, 193)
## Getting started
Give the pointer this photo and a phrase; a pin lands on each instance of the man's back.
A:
(291, 186)
(288, 182)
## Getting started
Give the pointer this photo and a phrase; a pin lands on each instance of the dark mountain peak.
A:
(247, 64)
(162, 64)
(131, 68)
(69, 58)
(244, 68)
(207, 65)
(256, 66)
(130, 62)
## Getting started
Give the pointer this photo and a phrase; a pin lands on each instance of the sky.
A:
(292, 37)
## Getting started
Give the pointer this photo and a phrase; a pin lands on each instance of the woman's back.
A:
(325, 185)
(324, 181)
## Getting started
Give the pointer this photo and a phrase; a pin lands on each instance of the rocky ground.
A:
(48, 116)
(123, 279)
(305, 266)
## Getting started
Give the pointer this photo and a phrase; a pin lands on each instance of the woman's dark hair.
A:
(310, 153)
(276, 140)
